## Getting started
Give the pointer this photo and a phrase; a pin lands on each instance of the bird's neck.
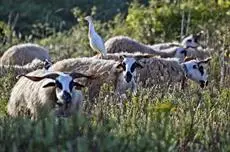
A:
(91, 27)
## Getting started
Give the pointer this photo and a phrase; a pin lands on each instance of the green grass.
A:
(154, 120)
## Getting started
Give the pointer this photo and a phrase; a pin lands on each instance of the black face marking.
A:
(67, 97)
(47, 65)
(202, 83)
(71, 85)
(189, 40)
(195, 39)
(184, 52)
(128, 77)
(201, 69)
(58, 84)
(133, 67)
(124, 66)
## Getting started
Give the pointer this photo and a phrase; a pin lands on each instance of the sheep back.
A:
(158, 70)
(28, 98)
(125, 44)
(17, 69)
(90, 66)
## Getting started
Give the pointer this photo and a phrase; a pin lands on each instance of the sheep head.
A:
(63, 82)
(192, 41)
(196, 71)
(128, 67)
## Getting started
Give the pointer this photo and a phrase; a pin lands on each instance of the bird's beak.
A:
(87, 18)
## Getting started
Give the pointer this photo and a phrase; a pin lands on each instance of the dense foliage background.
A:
(158, 118)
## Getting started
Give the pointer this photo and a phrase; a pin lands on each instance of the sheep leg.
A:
(94, 91)
(183, 83)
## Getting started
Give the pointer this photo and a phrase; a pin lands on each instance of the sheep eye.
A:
(189, 40)
(58, 85)
(194, 67)
(182, 52)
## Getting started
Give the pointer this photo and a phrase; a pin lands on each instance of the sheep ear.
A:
(50, 84)
(119, 67)
(78, 86)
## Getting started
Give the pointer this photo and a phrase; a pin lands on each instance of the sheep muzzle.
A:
(128, 77)
(203, 83)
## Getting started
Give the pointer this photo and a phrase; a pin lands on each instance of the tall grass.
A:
(192, 120)
(157, 118)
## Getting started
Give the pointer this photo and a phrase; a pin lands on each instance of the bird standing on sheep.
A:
(95, 41)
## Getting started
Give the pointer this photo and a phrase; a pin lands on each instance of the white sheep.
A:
(190, 44)
(39, 93)
(17, 69)
(161, 70)
(111, 72)
(22, 54)
(191, 41)
(125, 44)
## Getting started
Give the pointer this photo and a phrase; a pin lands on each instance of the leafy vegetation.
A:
(157, 118)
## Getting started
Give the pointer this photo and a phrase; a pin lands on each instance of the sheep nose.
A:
(128, 77)
(67, 97)
(202, 83)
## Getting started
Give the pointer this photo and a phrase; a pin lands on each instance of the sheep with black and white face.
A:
(157, 70)
(118, 74)
(38, 93)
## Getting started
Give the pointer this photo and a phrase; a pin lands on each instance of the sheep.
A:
(191, 41)
(190, 44)
(112, 72)
(17, 69)
(161, 70)
(168, 70)
(38, 93)
(22, 54)
(125, 44)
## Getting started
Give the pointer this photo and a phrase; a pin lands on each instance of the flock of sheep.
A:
(124, 63)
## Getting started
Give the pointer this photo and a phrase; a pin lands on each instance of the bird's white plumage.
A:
(96, 42)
